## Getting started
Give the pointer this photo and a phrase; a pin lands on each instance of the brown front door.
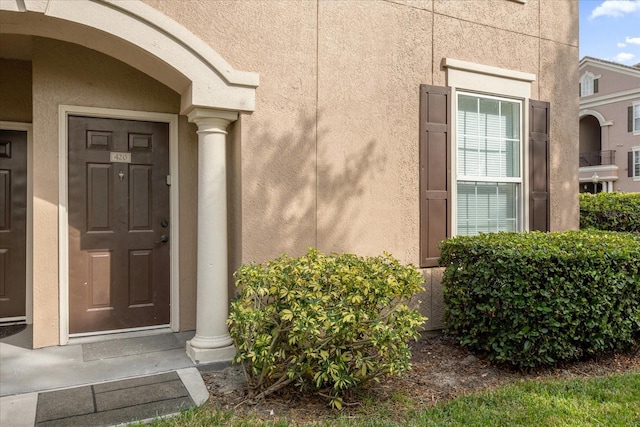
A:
(118, 224)
(13, 223)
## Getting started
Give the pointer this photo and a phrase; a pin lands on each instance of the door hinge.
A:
(169, 180)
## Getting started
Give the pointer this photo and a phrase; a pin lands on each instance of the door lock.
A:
(163, 239)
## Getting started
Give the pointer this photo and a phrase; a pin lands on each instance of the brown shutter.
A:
(595, 85)
(630, 119)
(579, 89)
(435, 171)
(539, 206)
(630, 164)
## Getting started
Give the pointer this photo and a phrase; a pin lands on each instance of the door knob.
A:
(163, 239)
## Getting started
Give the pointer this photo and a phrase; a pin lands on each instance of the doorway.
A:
(119, 224)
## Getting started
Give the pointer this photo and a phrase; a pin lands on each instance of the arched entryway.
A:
(590, 138)
(598, 170)
(212, 94)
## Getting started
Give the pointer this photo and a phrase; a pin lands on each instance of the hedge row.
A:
(530, 299)
(610, 211)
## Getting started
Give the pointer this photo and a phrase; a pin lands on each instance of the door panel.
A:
(118, 217)
(13, 223)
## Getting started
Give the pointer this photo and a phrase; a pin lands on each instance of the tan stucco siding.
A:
(330, 156)
(278, 170)
(559, 71)
(372, 58)
(69, 74)
(15, 91)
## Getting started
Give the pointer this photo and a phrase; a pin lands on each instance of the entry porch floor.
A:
(117, 379)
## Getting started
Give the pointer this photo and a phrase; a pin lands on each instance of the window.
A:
(634, 117)
(634, 163)
(589, 84)
(487, 167)
(489, 175)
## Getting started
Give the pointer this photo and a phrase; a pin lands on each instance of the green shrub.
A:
(610, 211)
(530, 299)
(328, 323)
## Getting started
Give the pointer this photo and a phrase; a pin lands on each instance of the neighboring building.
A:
(153, 167)
(609, 126)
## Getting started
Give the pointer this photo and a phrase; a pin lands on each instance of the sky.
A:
(610, 30)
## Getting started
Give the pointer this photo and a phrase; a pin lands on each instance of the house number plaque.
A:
(119, 157)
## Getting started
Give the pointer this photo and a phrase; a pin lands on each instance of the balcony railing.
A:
(598, 158)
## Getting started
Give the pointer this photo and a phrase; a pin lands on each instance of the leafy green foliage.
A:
(327, 323)
(530, 299)
(610, 211)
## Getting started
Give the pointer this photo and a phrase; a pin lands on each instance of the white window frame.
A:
(587, 83)
(486, 80)
(635, 162)
(636, 115)
(520, 225)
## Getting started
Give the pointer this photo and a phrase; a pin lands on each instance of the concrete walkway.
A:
(89, 383)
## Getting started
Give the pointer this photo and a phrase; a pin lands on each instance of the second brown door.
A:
(119, 224)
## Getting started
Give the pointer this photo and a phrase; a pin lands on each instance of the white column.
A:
(211, 342)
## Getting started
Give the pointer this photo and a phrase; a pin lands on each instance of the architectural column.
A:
(212, 342)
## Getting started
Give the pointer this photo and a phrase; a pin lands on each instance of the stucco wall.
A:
(330, 156)
(15, 90)
(619, 139)
(615, 136)
(69, 74)
(610, 81)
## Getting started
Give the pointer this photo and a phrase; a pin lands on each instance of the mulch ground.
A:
(442, 370)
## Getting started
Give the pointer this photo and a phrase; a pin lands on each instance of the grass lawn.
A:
(603, 401)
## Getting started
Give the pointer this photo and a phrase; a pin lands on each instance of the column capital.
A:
(210, 120)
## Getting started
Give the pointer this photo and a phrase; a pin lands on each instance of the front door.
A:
(118, 224)
(13, 223)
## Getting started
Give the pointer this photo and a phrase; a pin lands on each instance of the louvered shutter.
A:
(435, 171)
(539, 203)
(630, 119)
(630, 164)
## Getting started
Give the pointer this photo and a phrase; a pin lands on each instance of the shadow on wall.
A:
(281, 186)
(564, 144)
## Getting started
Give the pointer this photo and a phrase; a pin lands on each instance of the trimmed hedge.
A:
(530, 299)
(610, 211)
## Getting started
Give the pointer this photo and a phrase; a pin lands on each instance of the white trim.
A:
(28, 127)
(633, 163)
(634, 105)
(599, 168)
(610, 98)
(523, 200)
(63, 220)
(13, 320)
(622, 69)
(603, 122)
(471, 67)
(583, 78)
(172, 54)
(89, 337)
(601, 179)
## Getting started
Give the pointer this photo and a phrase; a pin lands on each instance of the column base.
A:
(210, 355)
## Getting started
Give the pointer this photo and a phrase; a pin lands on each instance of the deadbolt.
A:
(164, 223)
